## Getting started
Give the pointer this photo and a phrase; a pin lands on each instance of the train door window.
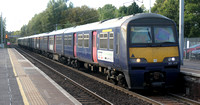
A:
(51, 43)
(111, 38)
(80, 40)
(86, 40)
(104, 40)
(117, 44)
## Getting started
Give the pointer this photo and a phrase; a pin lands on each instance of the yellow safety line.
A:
(18, 82)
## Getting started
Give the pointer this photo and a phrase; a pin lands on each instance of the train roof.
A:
(110, 23)
(93, 26)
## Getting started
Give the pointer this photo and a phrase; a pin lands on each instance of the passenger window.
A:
(67, 40)
(86, 40)
(58, 39)
(103, 40)
(80, 40)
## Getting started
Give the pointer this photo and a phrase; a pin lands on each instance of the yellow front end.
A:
(153, 54)
(154, 66)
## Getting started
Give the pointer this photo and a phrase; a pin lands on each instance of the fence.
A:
(192, 48)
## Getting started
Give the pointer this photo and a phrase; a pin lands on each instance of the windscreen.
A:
(141, 35)
(163, 34)
(151, 34)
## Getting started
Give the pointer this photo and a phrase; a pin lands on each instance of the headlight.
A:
(171, 60)
(138, 60)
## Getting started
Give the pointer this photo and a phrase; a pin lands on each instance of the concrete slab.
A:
(9, 91)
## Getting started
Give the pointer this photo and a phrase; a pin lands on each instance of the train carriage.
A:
(139, 51)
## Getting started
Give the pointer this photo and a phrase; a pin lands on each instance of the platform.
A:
(21, 83)
(191, 68)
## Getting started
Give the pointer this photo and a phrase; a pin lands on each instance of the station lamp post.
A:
(2, 45)
(181, 28)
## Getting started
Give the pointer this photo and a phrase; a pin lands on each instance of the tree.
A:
(134, 9)
(122, 11)
(192, 18)
(170, 9)
(80, 15)
(130, 10)
(23, 31)
(108, 11)
(3, 25)
(157, 6)
(54, 12)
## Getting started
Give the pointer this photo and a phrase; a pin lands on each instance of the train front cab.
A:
(153, 53)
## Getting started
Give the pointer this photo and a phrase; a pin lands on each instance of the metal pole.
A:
(149, 6)
(181, 29)
(1, 31)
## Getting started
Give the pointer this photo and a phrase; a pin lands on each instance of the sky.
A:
(19, 12)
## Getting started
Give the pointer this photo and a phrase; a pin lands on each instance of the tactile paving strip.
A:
(31, 93)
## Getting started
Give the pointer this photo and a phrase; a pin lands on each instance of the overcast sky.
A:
(19, 12)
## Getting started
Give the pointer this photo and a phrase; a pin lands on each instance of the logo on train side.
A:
(105, 55)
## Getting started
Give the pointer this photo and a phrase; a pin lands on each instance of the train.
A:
(138, 51)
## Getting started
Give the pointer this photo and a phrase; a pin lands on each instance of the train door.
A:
(94, 46)
(74, 37)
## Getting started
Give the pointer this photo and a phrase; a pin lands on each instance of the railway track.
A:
(155, 100)
(172, 99)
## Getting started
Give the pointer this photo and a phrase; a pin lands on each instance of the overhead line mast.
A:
(2, 31)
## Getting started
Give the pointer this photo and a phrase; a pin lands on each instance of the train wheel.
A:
(121, 79)
(63, 60)
(51, 56)
(68, 62)
(77, 64)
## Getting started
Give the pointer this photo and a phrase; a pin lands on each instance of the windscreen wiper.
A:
(149, 34)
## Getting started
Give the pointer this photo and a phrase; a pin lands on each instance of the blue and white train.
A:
(140, 51)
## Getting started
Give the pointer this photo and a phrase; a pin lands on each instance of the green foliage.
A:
(107, 12)
(123, 11)
(192, 18)
(130, 10)
(170, 8)
(3, 25)
(80, 15)
(134, 9)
